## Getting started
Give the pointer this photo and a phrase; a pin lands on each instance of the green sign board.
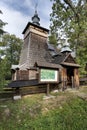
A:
(47, 75)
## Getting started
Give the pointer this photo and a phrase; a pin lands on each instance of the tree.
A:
(9, 55)
(52, 39)
(70, 16)
(12, 48)
(2, 73)
(2, 61)
(2, 24)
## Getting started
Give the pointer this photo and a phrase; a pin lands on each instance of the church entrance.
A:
(70, 77)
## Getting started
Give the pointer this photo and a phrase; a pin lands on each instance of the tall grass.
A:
(26, 114)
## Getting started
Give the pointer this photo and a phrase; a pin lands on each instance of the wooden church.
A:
(40, 63)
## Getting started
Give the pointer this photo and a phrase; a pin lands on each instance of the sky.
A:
(17, 13)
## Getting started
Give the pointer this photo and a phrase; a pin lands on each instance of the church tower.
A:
(34, 47)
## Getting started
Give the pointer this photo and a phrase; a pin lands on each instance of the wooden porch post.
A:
(28, 73)
(76, 75)
(48, 89)
(64, 79)
(72, 78)
(17, 74)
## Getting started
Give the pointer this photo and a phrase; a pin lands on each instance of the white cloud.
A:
(17, 20)
(28, 3)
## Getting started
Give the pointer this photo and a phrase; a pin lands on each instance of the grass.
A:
(84, 89)
(63, 112)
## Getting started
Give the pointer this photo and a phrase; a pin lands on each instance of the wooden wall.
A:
(32, 74)
(24, 74)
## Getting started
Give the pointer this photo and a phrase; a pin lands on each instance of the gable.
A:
(69, 59)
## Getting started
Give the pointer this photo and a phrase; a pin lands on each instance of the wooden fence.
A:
(10, 92)
(83, 80)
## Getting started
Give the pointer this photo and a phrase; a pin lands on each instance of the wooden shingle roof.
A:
(63, 59)
(23, 83)
(37, 50)
(47, 65)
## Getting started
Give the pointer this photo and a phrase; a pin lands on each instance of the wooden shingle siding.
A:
(23, 75)
(20, 75)
(37, 51)
(32, 74)
(24, 52)
(34, 49)
(70, 59)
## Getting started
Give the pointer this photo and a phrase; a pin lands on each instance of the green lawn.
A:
(63, 112)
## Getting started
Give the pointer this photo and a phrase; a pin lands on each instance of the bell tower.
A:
(34, 47)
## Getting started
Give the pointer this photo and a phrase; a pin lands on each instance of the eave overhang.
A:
(70, 64)
(29, 23)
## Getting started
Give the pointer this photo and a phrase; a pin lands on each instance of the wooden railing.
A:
(83, 79)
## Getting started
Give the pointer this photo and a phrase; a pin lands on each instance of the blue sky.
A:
(17, 13)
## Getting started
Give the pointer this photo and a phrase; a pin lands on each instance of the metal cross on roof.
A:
(36, 7)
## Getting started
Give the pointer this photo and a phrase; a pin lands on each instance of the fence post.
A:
(48, 89)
